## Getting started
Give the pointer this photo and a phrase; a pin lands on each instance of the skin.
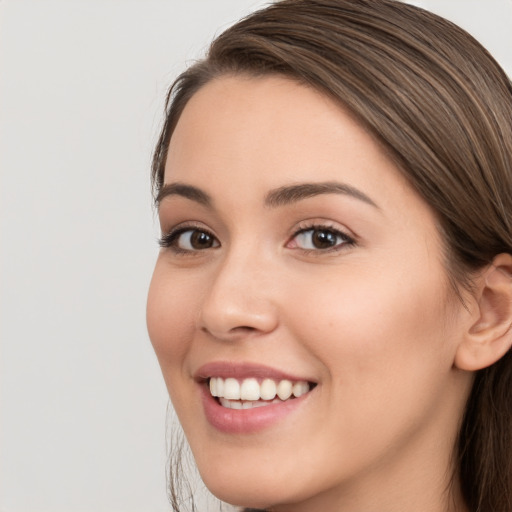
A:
(373, 323)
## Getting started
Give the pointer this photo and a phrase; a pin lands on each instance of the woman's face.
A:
(295, 257)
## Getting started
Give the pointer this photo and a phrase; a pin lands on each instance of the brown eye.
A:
(201, 240)
(321, 239)
(189, 240)
(324, 239)
(196, 240)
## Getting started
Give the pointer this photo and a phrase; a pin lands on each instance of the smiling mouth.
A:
(248, 393)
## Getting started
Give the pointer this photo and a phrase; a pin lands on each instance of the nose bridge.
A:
(238, 298)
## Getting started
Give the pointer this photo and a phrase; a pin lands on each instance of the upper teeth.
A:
(251, 389)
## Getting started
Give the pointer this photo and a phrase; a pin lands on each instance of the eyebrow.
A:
(279, 197)
(187, 191)
(293, 193)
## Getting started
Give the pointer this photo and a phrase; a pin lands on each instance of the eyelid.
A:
(167, 238)
(324, 225)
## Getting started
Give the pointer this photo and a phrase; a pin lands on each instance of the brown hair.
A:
(442, 107)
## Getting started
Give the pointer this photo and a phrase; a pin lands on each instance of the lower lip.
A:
(246, 421)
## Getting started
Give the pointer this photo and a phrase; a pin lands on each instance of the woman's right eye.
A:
(189, 240)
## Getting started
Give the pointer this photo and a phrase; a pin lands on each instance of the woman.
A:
(332, 304)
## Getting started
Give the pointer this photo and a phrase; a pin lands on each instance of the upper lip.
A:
(244, 370)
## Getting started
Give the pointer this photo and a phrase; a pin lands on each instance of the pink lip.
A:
(245, 421)
(243, 371)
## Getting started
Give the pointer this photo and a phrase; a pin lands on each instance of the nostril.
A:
(243, 328)
(229, 334)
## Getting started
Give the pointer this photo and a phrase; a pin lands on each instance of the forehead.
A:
(254, 134)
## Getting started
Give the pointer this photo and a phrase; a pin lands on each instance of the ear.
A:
(490, 334)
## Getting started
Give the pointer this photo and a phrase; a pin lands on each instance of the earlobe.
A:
(490, 336)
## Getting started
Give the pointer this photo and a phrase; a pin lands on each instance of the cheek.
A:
(378, 336)
(169, 319)
(358, 307)
(386, 358)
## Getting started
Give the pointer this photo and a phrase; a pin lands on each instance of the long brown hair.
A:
(442, 108)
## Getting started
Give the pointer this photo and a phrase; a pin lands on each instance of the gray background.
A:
(82, 401)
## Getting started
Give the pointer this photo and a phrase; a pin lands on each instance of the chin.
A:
(248, 490)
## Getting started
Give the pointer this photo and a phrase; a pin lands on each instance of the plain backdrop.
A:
(82, 401)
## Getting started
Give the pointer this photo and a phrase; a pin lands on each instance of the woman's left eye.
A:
(320, 239)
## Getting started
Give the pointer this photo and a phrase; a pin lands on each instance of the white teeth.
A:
(213, 387)
(238, 404)
(284, 389)
(220, 386)
(231, 389)
(217, 386)
(268, 389)
(250, 393)
(300, 388)
(250, 390)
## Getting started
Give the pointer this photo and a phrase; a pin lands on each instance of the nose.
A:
(238, 300)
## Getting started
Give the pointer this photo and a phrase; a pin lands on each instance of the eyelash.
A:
(169, 240)
(347, 241)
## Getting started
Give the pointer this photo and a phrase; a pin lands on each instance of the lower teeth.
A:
(248, 404)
